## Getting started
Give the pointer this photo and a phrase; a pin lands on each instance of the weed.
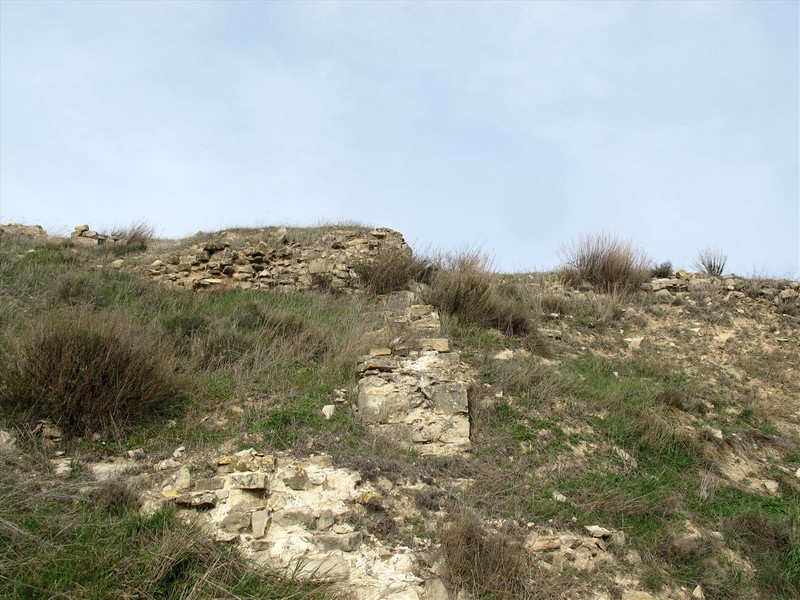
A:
(390, 270)
(134, 238)
(464, 286)
(605, 262)
(483, 562)
(662, 270)
(710, 261)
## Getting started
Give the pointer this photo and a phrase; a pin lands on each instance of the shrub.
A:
(484, 562)
(605, 262)
(710, 261)
(87, 373)
(662, 270)
(390, 270)
(464, 286)
(136, 237)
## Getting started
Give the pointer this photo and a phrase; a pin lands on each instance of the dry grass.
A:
(464, 286)
(495, 565)
(710, 261)
(390, 270)
(136, 237)
(662, 270)
(605, 262)
(88, 373)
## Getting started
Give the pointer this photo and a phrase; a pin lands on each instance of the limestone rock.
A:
(248, 481)
(197, 500)
(295, 478)
(7, 441)
(544, 543)
(328, 568)
(597, 531)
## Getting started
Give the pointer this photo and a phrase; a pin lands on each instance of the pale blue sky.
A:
(515, 127)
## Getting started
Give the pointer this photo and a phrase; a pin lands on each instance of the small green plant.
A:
(710, 261)
(88, 373)
(606, 262)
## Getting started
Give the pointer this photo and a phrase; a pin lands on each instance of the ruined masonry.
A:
(416, 394)
(278, 262)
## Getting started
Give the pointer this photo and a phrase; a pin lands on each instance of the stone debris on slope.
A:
(293, 513)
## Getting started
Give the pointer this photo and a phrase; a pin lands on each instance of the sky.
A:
(513, 127)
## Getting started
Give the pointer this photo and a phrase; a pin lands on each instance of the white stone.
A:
(597, 531)
(260, 523)
(107, 470)
(506, 354)
(634, 342)
(328, 410)
(329, 568)
(183, 479)
(7, 440)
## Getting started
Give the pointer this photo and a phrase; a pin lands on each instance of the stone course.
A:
(416, 393)
(278, 262)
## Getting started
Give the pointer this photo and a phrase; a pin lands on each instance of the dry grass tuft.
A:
(391, 270)
(710, 261)
(483, 562)
(662, 270)
(606, 262)
(136, 236)
(464, 286)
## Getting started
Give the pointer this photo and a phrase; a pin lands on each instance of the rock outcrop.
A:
(297, 514)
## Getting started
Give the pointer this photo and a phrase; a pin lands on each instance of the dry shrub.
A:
(87, 372)
(390, 270)
(662, 270)
(485, 562)
(463, 285)
(710, 261)
(136, 236)
(606, 262)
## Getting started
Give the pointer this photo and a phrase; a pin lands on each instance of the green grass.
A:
(229, 346)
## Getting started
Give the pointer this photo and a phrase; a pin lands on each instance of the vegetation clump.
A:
(711, 262)
(662, 270)
(463, 285)
(87, 373)
(605, 262)
(391, 270)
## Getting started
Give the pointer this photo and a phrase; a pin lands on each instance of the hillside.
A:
(319, 413)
